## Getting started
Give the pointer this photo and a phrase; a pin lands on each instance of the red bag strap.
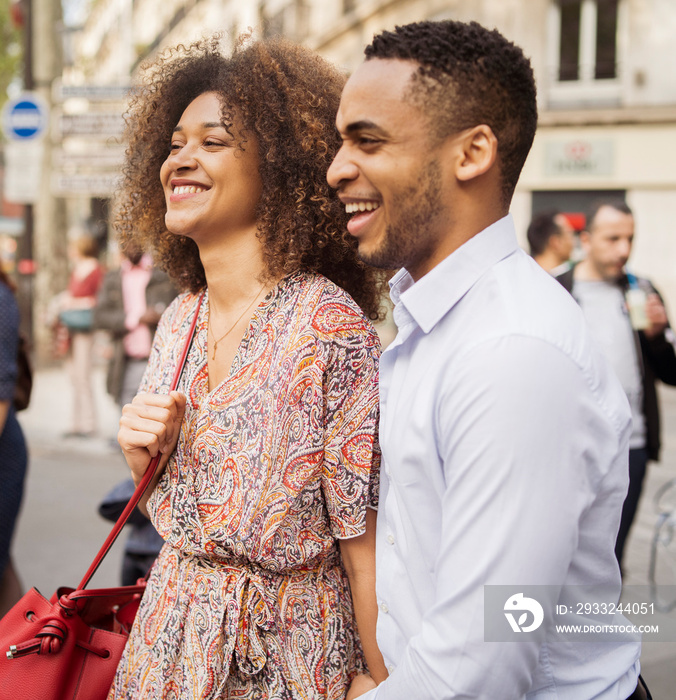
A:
(150, 472)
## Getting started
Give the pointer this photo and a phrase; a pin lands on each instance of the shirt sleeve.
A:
(9, 339)
(524, 442)
(351, 452)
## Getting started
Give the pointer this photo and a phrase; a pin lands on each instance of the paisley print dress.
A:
(248, 597)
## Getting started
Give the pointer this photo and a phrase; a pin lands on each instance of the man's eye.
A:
(368, 141)
(174, 147)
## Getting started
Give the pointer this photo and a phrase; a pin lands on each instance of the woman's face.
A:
(211, 185)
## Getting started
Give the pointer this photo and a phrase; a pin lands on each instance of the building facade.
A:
(604, 69)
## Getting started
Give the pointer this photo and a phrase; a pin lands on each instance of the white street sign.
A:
(93, 93)
(91, 124)
(23, 170)
(99, 159)
(102, 185)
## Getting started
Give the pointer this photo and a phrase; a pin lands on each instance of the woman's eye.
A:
(214, 143)
(174, 147)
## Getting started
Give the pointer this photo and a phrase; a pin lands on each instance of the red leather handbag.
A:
(68, 648)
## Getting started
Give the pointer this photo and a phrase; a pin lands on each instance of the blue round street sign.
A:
(25, 117)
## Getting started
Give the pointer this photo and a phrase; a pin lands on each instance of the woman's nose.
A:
(183, 157)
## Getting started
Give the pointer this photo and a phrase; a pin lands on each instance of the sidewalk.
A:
(59, 530)
(658, 659)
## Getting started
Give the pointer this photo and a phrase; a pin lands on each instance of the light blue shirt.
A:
(504, 437)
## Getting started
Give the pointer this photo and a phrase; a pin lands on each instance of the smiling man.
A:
(504, 432)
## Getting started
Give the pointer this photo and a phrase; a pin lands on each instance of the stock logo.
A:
(518, 603)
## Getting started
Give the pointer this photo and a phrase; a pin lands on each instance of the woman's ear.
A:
(479, 151)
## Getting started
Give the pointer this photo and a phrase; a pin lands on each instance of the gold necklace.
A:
(241, 316)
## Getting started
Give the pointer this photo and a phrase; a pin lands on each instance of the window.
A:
(587, 40)
(582, 53)
(569, 48)
(606, 39)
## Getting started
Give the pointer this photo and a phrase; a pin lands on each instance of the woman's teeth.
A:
(188, 189)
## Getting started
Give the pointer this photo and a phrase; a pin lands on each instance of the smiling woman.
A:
(268, 481)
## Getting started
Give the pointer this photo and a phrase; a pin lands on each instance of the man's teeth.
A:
(188, 189)
(354, 207)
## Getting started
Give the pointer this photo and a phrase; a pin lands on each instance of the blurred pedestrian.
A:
(503, 430)
(627, 318)
(264, 587)
(551, 239)
(129, 305)
(77, 316)
(13, 454)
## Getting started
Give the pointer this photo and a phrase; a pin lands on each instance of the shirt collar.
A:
(430, 298)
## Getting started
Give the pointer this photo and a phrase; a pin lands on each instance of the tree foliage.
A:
(11, 49)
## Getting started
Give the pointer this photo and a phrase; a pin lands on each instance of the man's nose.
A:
(342, 169)
(624, 248)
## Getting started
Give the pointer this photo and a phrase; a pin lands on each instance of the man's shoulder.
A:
(518, 299)
(565, 278)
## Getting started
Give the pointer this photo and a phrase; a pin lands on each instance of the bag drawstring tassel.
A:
(49, 640)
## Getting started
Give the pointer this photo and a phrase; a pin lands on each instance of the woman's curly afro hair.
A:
(287, 98)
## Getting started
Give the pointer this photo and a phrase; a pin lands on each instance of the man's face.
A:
(387, 171)
(608, 243)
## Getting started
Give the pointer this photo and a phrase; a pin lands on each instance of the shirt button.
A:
(390, 539)
(390, 669)
(384, 608)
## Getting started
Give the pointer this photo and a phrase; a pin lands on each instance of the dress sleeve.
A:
(9, 338)
(350, 474)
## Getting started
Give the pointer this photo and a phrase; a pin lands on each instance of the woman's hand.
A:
(360, 685)
(149, 426)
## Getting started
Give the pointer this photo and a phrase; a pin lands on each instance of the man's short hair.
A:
(541, 229)
(469, 75)
(617, 204)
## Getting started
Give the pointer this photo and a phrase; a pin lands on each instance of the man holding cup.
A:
(628, 320)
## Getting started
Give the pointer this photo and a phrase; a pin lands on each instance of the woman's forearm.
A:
(359, 561)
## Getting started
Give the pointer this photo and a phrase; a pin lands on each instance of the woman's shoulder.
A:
(179, 313)
(331, 309)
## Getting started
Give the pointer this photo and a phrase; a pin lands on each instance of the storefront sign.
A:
(578, 158)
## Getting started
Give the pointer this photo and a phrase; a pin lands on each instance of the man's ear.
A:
(584, 240)
(479, 151)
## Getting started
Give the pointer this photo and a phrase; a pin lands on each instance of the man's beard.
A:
(412, 236)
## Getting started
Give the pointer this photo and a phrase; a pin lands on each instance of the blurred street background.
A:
(607, 128)
(606, 100)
